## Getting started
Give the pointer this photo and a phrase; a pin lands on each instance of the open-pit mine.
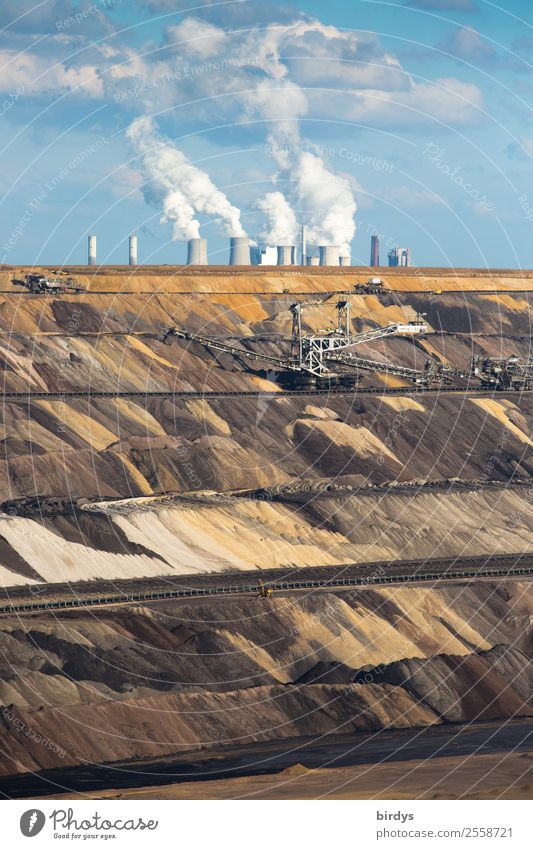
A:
(266, 533)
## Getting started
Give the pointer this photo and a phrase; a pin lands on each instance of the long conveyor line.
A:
(292, 393)
(373, 579)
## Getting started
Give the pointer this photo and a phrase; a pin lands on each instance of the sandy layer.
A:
(477, 777)
(174, 677)
(145, 537)
(171, 278)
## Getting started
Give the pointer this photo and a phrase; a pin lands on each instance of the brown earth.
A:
(475, 777)
(149, 682)
(124, 488)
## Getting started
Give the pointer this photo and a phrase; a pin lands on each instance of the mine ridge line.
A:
(253, 588)
(299, 293)
(292, 393)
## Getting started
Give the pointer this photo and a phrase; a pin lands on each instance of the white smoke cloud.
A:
(281, 226)
(269, 79)
(178, 187)
(326, 202)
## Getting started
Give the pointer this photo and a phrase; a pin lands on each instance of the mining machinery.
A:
(56, 284)
(263, 591)
(317, 350)
(314, 358)
(373, 286)
(503, 372)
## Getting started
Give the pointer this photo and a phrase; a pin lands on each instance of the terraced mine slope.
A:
(171, 678)
(158, 486)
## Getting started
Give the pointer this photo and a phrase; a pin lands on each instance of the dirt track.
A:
(291, 764)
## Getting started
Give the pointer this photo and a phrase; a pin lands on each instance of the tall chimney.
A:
(304, 244)
(285, 254)
(329, 254)
(92, 250)
(239, 250)
(374, 251)
(133, 249)
(197, 252)
(345, 260)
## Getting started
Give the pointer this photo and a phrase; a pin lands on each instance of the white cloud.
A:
(275, 74)
(38, 75)
(202, 39)
(467, 43)
(285, 71)
(449, 101)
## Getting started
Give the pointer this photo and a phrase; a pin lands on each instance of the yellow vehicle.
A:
(264, 592)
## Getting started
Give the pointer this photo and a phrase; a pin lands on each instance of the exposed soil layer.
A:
(506, 775)
(313, 524)
(149, 682)
(149, 488)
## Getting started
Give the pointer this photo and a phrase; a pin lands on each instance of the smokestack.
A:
(374, 251)
(313, 260)
(197, 252)
(285, 255)
(133, 249)
(329, 254)
(92, 250)
(304, 244)
(239, 250)
(345, 260)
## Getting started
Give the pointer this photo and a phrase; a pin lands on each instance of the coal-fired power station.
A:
(329, 254)
(197, 252)
(286, 254)
(241, 252)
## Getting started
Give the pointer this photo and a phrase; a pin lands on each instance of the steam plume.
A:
(326, 200)
(179, 188)
(281, 227)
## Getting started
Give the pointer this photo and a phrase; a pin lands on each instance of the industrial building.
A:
(400, 257)
(374, 251)
(329, 254)
(243, 252)
(263, 255)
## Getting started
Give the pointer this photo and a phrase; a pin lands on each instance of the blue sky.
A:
(417, 115)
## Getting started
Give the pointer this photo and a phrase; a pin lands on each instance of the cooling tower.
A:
(239, 250)
(345, 260)
(313, 260)
(329, 254)
(133, 249)
(197, 252)
(286, 255)
(92, 250)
